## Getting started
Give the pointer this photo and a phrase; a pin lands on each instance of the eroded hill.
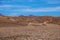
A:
(29, 28)
(24, 20)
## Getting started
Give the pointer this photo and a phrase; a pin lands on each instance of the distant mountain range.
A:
(1, 14)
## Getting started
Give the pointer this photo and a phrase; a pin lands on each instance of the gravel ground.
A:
(43, 32)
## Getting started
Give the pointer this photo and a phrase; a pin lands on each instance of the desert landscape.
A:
(29, 28)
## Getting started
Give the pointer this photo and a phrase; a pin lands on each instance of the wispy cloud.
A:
(50, 9)
(52, 1)
(14, 8)
(47, 1)
(16, 0)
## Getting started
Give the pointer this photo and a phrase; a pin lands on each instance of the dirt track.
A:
(49, 32)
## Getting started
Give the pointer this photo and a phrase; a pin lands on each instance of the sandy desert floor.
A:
(43, 32)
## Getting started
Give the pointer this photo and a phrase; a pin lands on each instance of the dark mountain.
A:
(1, 14)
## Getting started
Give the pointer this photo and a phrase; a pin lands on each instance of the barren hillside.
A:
(24, 20)
(29, 28)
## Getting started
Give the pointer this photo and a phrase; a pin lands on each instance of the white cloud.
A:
(30, 0)
(47, 1)
(52, 1)
(22, 0)
(50, 9)
(16, 1)
(14, 8)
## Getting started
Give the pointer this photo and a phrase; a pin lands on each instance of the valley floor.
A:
(43, 32)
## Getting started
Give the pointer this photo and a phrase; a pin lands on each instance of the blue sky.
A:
(30, 7)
